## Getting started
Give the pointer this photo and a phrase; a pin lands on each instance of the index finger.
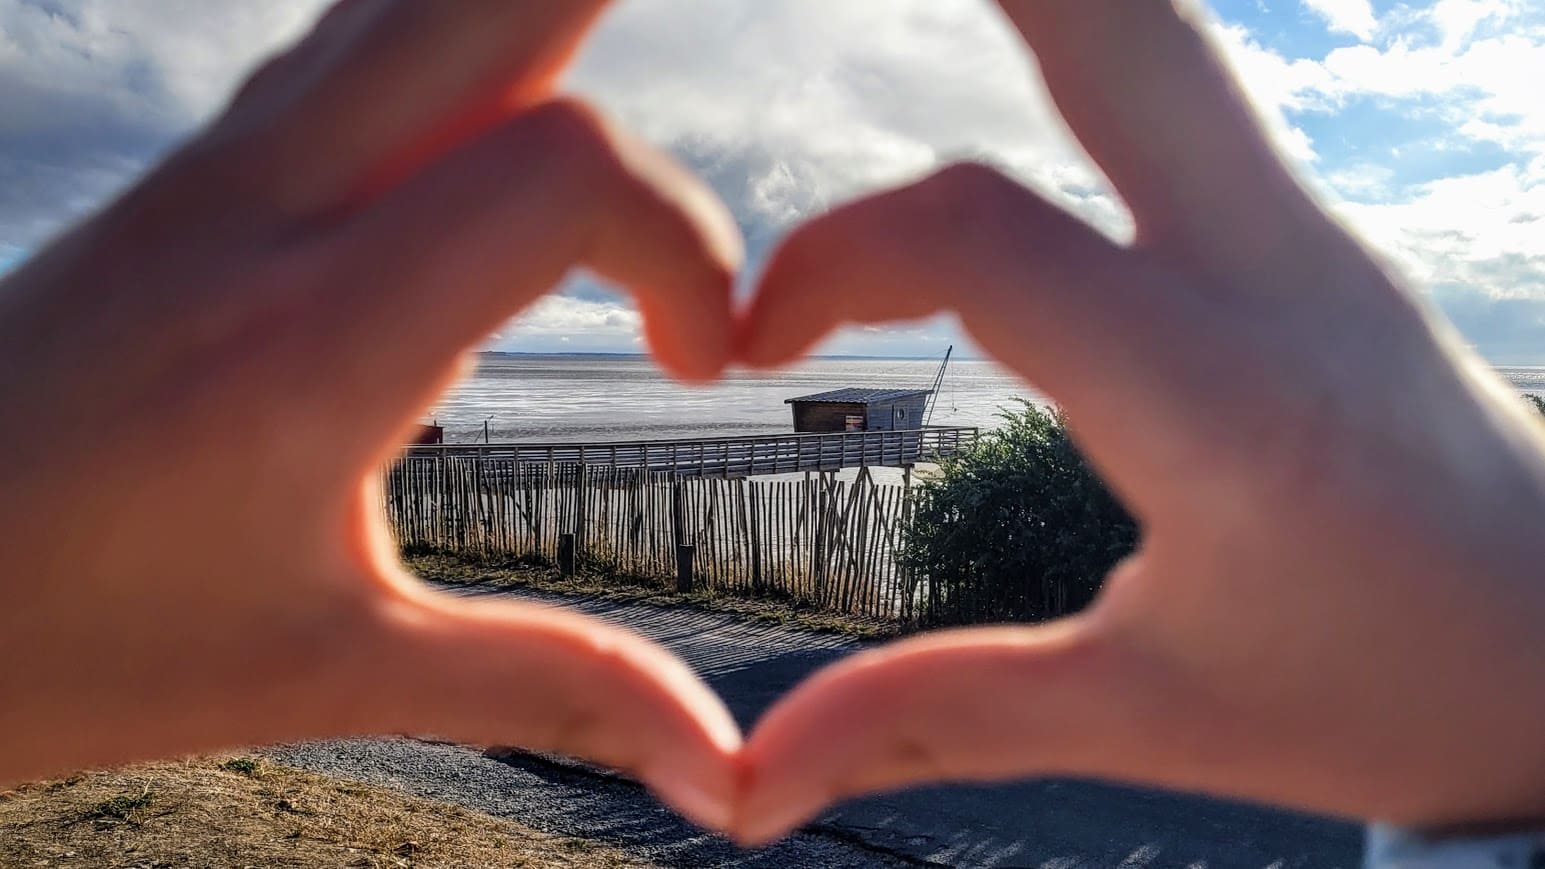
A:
(1148, 96)
(499, 672)
(382, 87)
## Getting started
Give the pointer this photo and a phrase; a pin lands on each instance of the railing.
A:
(732, 456)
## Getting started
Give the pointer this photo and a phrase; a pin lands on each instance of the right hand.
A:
(1338, 601)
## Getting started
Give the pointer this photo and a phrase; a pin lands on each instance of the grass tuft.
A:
(246, 766)
(125, 809)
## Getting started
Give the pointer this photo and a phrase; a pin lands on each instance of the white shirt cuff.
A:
(1391, 848)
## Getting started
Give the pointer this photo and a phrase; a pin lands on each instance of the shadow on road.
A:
(1046, 823)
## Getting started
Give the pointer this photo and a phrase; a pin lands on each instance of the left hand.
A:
(203, 382)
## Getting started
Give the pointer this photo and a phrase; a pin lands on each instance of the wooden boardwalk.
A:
(730, 457)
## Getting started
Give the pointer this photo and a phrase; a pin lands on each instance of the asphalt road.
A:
(1043, 824)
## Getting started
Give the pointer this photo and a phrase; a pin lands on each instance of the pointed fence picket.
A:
(818, 541)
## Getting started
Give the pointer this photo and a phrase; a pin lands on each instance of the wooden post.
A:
(818, 539)
(581, 506)
(684, 556)
(678, 515)
(749, 492)
(566, 554)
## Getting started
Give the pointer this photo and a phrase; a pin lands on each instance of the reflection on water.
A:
(599, 398)
(1528, 378)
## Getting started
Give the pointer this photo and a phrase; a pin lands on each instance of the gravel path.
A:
(564, 800)
(1044, 824)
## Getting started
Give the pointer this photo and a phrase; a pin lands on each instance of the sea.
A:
(597, 398)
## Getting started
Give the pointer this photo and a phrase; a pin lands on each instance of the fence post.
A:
(748, 490)
(581, 502)
(678, 518)
(684, 556)
(818, 538)
(566, 554)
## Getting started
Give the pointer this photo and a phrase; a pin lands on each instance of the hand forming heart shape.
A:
(1327, 610)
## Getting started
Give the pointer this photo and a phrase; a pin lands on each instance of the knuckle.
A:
(262, 85)
(569, 127)
(275, 284)
(969, 182)
(972, 201)
(218, 182)
(578, 729)
(915, 758)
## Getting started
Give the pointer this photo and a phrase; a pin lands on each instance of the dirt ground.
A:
(241, 812)
(453, 570)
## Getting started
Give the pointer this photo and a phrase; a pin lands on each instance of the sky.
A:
(1420, 125)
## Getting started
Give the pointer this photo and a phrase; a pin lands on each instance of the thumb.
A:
(501, 672)
(967, 705)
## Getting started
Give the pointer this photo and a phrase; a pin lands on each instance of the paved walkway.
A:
(1043, 824)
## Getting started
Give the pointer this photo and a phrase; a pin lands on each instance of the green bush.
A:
(1537, 401)
(1019, 528)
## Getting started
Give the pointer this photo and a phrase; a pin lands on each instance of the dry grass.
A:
(495, 573)
(240, 812)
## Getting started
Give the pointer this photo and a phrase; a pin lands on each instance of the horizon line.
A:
(638, 355)
(957, 358)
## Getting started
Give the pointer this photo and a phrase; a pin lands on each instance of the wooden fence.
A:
(828, 543)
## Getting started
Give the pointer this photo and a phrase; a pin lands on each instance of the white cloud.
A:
(1346, 16)
(1483, 85)
(563, 316)
(1473, 237)
(1361, 181)
(795, 105)
(91, 90)
(173, 61)
(789, 107)
(1457, 19)
(1275, 86)
(1485, 231)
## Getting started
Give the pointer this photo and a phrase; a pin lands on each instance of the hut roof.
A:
(855, 395)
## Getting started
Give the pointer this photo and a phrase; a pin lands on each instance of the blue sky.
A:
(1421, 125)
